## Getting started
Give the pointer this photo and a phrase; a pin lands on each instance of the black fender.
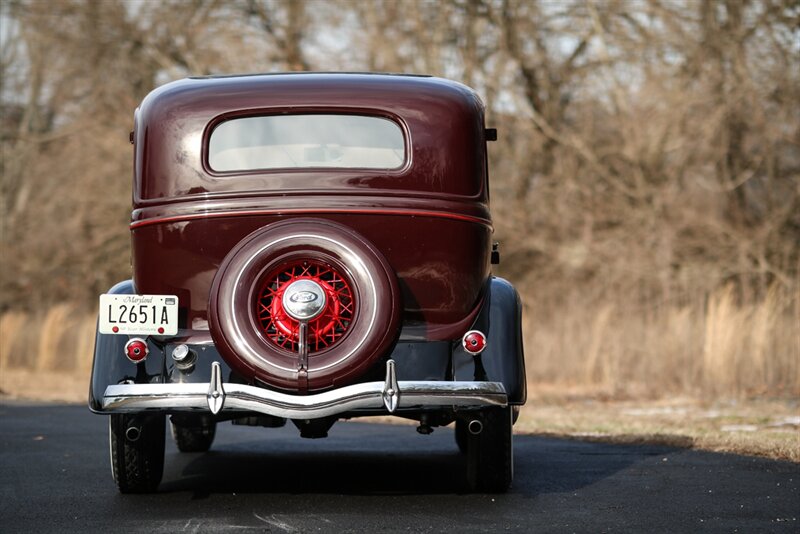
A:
(111, 366)
(503, 360)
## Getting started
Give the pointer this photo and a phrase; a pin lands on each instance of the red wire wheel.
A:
(260, 340)
(326, 329)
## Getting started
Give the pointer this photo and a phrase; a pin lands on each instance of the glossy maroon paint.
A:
(430, 219)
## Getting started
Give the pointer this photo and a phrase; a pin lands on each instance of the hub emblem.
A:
(303, 297)
(304, 300)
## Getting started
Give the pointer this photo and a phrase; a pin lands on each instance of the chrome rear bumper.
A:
(217, 396)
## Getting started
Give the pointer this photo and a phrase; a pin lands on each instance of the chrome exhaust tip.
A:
(475, 427)
(133, 433)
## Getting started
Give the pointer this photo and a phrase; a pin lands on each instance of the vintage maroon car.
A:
(309, 247)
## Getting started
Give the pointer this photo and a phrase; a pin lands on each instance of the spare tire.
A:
(308, 271)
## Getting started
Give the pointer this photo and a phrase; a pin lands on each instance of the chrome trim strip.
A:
(413, 212)
(389, 395)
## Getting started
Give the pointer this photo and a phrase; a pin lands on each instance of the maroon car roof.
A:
(442, 120)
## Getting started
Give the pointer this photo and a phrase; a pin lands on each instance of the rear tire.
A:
(490, 454)
(137, 465)
(194, 438)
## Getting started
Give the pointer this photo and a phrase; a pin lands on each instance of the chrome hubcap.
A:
(304, 300)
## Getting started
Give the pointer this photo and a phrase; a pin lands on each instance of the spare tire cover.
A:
(257, 338)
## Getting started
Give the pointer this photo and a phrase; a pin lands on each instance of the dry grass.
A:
(716, 348)
(71, 387)
(754, 427)
(47, 356)
(709, 348)
(601, 372)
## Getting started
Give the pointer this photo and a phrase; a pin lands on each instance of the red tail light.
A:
(136, 350)
(474, 342)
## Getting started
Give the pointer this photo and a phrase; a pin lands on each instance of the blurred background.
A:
(645, 185)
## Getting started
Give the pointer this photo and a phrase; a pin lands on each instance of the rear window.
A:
(298, 141)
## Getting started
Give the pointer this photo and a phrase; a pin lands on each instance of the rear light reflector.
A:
(474, 342)
(136, 349)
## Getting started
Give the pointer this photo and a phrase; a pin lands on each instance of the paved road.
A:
(54, 477)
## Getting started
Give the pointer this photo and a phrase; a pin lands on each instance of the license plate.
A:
(155, 315)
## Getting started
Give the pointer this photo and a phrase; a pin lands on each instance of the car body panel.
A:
(430, 218)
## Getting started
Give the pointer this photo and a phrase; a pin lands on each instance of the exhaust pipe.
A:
(133, 433)
(475, 427)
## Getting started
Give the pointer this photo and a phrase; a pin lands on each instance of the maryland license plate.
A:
(155, 315)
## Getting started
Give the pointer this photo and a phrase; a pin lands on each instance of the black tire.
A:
(138, 464)
(490, 454)
(194, 438)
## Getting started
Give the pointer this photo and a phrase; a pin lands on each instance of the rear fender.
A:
(111, 366)
(503, 360)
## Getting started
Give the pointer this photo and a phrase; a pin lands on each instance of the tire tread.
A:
(139, 465)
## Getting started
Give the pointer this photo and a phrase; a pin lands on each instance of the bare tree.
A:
(648, 149)
(284, 23)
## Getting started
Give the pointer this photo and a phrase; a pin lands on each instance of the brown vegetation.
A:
(760, 428)
(645, 188)
(711, 347)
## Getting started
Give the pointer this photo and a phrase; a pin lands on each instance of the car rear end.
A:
(311, 247)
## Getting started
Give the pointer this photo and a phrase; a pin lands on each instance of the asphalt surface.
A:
(55, 477)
